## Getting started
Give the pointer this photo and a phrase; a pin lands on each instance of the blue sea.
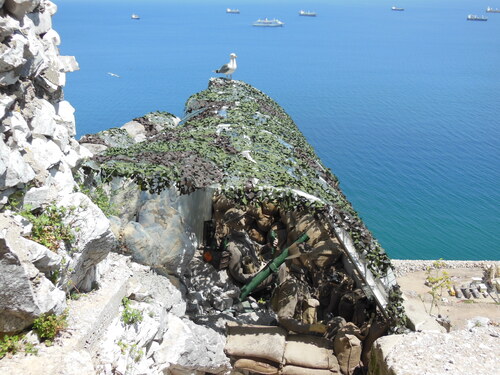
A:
(404, 107)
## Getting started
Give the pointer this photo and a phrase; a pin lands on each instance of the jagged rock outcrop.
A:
(38, 153)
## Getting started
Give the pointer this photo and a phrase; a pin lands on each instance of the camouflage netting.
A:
(237, 139)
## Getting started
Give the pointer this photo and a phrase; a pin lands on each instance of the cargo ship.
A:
(233, 11)
(307, 14)
(397, 9)
(268, 23)
(491, 10)
(473, 17)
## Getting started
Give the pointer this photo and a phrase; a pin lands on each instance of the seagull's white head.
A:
(233, 55)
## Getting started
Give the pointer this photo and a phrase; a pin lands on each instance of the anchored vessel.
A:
(491, 10)
(473, 17)
(398, 9)
(234, 11)
(135, 16)
(268, 23)
(307, 14)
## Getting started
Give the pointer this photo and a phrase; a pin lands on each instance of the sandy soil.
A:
(458, 310)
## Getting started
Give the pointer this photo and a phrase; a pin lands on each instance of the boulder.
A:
(13, 168)
(93, 240)
(43, 121)
(46, 152)
(135, 130)
(18, 128)
(25, 293)
(187, 346)
(11, 55)
(45, 260)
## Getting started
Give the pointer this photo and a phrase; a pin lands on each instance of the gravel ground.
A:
(402, 267)
(467, 352)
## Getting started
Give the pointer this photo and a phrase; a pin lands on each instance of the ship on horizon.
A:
(268, 23)
(233, 11)
(473, 17)
(491, 10)
(307, 13)
(397, 9)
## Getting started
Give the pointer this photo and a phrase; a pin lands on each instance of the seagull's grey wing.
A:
(223, 69)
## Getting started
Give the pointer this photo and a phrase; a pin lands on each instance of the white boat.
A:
(491, 10)
(397, 9)
(307, 14)
(233, 11)
(268, 23)
(135, 17)
(473, 17)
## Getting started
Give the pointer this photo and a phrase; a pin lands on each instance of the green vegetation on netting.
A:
(251, 122)
(224, 122)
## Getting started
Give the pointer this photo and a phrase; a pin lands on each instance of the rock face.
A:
(37, 144)
(37, 155)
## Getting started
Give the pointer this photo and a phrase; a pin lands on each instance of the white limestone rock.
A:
(50, 7)
(52, 37)
(46, 152)
(37, 59)
(7, 26)
(93, 240)
(13, 169)
(18, 8)
(8, 78)
(11, 54)
(53, 79)
(41, 20)
(75, 153)
(43, 121)
(25, 293)
(6, 102)
(45, 260)
(68, 64)
(18, 128)
(159, 238)
(187, 346)
(66, 116)
(136, 130)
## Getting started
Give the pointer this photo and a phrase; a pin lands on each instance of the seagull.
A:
(229, 68)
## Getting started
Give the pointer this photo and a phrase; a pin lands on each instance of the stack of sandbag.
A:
(270, 350)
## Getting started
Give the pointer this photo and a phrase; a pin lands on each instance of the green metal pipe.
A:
(272, 266)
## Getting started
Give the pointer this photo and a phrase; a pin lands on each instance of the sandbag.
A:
(254, 366)
(347, 348)
(296, 370)
(310, 352)
(325, 253)
(255, 341)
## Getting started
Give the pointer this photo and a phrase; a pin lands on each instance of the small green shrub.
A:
(15, 344)
(438, 280)
(129, 314)
(48, 227)
(10, 344)
(99, 197)
(48, 326)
